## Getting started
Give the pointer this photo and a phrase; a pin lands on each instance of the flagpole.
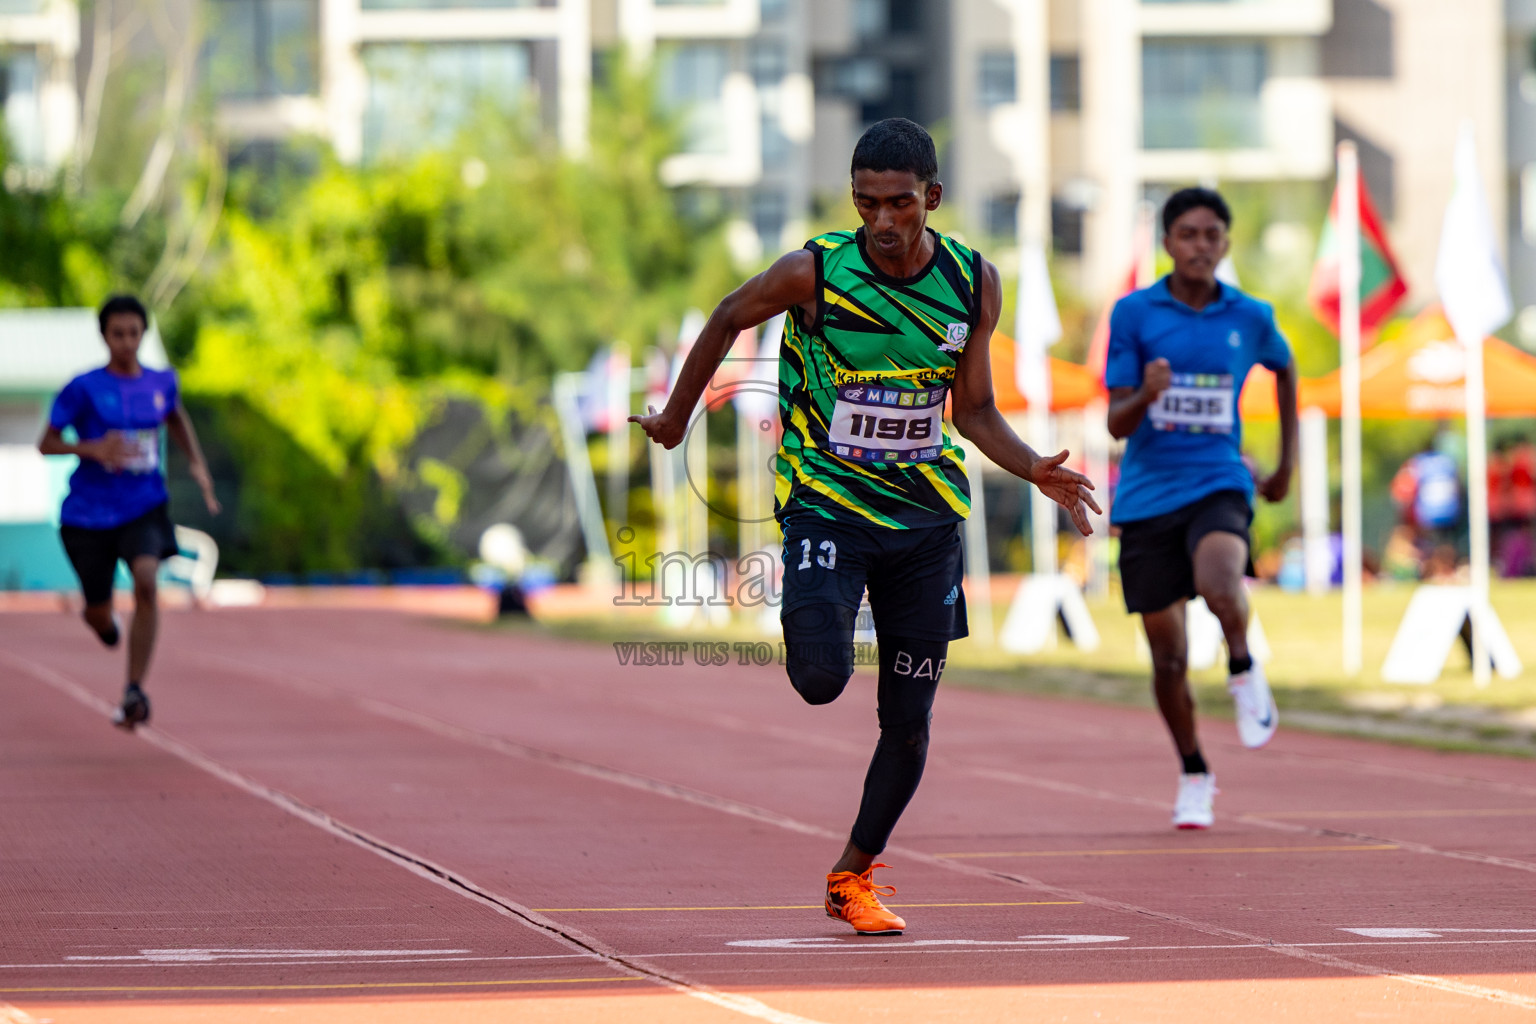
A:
(1349, 379)
(1477, 505)
(618, 434)
(1032, 343)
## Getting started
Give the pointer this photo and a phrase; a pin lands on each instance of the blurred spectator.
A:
(1428, 495)
(1516, 552)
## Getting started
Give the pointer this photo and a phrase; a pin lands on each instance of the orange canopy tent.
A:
(1072, 386)
(1420, 375)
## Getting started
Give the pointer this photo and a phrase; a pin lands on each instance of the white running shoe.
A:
(1257, 716)
(1193, 807)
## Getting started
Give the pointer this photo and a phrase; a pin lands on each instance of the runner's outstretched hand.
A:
(204, 481)
(1067, 488)
(659, 429)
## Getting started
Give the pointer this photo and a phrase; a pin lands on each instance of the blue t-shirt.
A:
(1437, 494)
(96, 404)
(1189, 444)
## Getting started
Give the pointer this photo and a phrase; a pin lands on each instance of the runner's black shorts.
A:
(94, 553)
(1157, 555)
(914, 577)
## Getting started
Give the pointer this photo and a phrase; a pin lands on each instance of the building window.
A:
(21, 6)
(1001, 214)
(900, 100)
(261, 48)
(774, 142)
(1202, 95)
(768, 217)
(996, 82)
(691, 83)
(1066, 83)
(770, 63)
(420, 95)
(23, 122)
(772, 11)
(906, 16)
(1066, 228)
(871, 18)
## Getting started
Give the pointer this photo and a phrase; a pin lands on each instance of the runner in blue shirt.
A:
(1179, 353)
(117, 507)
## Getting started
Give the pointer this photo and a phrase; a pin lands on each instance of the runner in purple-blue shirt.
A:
(118, 507)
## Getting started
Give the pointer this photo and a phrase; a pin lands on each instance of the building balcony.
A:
(1234, 17)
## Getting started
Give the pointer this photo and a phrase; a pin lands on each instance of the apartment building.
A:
(39, 40)
(1133, 98)
(1101, 103)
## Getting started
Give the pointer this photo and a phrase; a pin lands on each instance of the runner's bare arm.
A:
(179, 425)
(111, 451)
(1128, 406)
(790, 282)
(1275, 486)
(977, 418)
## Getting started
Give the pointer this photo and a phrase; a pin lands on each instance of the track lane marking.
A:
(351, 986)
(737, 808)
(420, 866)
(856, 947)
(798, 906)
(1158, 851)
(1488, 812)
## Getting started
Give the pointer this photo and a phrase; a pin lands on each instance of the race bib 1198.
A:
(1197, 403)
(879, 424)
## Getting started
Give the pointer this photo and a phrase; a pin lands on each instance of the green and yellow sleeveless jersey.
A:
(862, 388)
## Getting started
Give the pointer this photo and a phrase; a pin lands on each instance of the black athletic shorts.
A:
(1157, 555)
(914, 577)
(94, 553)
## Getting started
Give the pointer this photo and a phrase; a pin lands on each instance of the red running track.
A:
(346, 816)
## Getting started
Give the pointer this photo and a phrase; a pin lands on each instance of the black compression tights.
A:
(820, 661)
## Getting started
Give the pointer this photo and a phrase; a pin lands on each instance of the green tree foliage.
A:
(345, 307)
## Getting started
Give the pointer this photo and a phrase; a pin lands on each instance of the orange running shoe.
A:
(856, 899)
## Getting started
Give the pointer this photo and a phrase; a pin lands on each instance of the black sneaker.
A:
(133, 711)
(111, 636)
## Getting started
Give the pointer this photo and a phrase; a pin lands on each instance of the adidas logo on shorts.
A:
(954, 595)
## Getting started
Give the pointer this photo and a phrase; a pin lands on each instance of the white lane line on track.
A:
(420, 866)
(871, 947)
(739, 809)
(15, 1015)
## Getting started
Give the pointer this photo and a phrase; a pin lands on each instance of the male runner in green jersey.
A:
(884, 324)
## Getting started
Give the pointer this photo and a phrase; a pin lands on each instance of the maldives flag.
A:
(1381, 284)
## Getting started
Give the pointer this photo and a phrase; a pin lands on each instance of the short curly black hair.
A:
(1186, 199)
(897, 144)
(121, 304)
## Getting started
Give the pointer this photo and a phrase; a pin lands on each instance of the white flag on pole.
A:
(1037, 327)
(1467, 271)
